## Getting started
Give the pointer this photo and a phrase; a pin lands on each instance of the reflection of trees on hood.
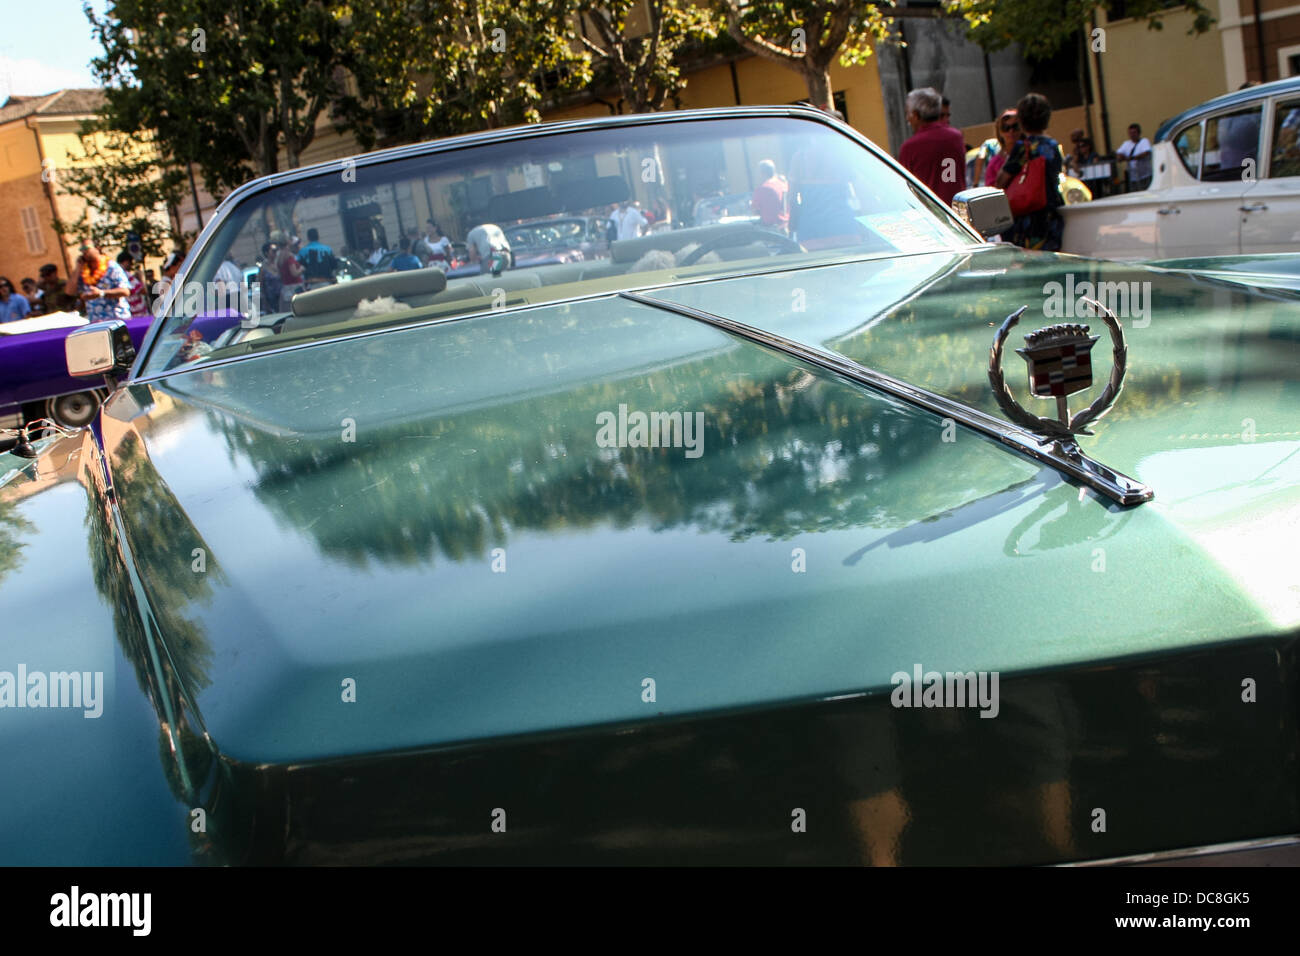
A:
(785, 452)
(162, 540)
(187, 758)
(13, 526)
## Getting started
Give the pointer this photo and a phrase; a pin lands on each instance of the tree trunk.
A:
(819, 86)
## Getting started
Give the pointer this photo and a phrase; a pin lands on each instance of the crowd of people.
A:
(99, 288)
(288, 267)
(1019, 158)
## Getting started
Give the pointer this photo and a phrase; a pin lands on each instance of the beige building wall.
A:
(761, 82)
(30, 147)
(25, 217)
(63, 148)
(1152, 75)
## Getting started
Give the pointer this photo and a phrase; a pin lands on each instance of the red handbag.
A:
(1027, 191)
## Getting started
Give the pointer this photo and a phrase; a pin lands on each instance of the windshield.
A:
(532, 220)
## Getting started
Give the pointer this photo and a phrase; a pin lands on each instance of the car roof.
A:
(1248, 95)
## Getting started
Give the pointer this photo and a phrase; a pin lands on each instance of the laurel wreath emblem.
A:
(1079, 422)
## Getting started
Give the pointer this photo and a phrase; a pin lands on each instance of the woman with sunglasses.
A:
(1042, 227)
(993, 153)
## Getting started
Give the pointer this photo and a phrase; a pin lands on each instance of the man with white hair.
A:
(935, 152)
(769, 198)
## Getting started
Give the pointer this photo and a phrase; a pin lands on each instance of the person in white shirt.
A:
(628, 220)
(434, 247)
(1137, 150)
(489, 247)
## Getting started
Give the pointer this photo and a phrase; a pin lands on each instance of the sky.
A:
(45, 45)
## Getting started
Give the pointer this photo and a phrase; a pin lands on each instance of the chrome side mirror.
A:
(985, 209)
(101, 348)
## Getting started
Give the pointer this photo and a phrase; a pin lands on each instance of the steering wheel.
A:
(741, 238)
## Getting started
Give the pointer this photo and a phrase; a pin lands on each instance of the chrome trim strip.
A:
(489, 137)
(1096, 476)
(1160, 856)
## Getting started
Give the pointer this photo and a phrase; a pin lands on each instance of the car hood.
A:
(434, 535)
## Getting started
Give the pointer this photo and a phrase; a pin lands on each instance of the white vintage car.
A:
(1225, 180)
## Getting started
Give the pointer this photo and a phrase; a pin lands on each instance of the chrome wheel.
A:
(76, 410)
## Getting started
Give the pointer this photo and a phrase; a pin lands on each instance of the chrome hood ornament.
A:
(1059, 358)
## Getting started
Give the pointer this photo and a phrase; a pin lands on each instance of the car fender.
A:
(99, 778)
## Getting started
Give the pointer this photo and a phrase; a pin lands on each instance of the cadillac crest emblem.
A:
(1059, 360)
(1060, 363)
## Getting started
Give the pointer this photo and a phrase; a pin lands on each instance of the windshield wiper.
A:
(1068, 460)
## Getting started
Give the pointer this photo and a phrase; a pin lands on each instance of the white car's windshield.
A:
(537, 219)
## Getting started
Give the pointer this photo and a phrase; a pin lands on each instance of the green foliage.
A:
(439, 67)
(644, 65)
(127, 187)
(224, 83)
(1040, 27)
(808, 35)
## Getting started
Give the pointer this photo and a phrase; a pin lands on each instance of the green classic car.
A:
(747, 544)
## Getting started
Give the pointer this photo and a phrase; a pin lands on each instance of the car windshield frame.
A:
(958, 235)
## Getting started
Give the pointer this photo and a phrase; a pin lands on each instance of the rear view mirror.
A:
(101, 348)
(985, 209)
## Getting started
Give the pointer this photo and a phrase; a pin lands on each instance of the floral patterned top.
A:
(97, 310)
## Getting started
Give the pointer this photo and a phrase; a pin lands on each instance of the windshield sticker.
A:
(907, 231)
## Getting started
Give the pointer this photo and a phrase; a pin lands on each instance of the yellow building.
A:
(39, 135)
(1144, 76)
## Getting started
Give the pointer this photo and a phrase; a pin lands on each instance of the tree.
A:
(224, 83)
(643, 63)
(439, 67)
(1041, 27)
(127, 185)
(807, 36)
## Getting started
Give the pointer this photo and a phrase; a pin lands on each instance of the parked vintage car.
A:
(737, 546)
(734, 207)
(1226, 181)
(559, 239)
(34, 379)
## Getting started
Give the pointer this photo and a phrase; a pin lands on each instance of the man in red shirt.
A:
(935, 152)
(769, 198)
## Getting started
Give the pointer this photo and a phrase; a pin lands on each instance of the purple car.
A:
(34, 380)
